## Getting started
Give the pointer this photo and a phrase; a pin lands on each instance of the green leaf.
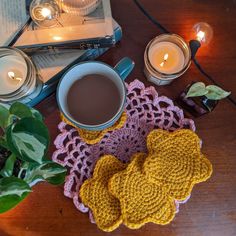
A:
(28, 145)
(49, 171)
(20, 110)
(7, 170)
(10, 201)
(196, 90)
(216, 93)
(36, 114)
(12, 192)
(28, 139)
(4, 115)
(13, 186)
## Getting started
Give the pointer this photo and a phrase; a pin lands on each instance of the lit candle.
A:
(166, 57)
(80, 7)
(13, 73)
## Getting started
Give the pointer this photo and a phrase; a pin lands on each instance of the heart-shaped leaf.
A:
(216, 93)
(48, 171)
(196, 90)
(28, 139)
(10, 201)
(7, 170)
(20, 110)
(13, 186)
(4, 115)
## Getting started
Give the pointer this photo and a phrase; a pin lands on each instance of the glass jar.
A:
(18, 77)
(79, 7)
(178, 53)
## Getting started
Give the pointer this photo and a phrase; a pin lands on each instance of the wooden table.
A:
(212, 207)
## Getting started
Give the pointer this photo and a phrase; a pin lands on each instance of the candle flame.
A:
(45, 12)
(200, 36)
(166, 56)
(11, 75)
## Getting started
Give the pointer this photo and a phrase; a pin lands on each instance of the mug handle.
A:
(124, 67)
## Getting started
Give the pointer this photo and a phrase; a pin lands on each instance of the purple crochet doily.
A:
(145, 111)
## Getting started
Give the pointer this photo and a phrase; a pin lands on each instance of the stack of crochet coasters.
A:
(145, 190)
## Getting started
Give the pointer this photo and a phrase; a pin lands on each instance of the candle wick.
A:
(165, 59)
(18, 79)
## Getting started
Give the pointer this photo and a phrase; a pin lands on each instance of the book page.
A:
(13, 17)
(50, 63)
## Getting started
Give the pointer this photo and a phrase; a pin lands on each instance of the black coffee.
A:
(93, 100)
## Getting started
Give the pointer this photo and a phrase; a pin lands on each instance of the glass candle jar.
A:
(166, 58)
(79, 7)
(17, 75)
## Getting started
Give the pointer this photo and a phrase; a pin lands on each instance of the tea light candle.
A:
(166, 57)
(13, 73)
(80, 7)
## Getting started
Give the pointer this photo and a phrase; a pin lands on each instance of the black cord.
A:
(199, 67)
(152, 19)
(164, 30)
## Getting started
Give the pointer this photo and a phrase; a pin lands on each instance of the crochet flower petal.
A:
(205, 170)
(94, 137)
(155, 137)
(94, 194)
(141, 201)
(175, 162)
(186, 138)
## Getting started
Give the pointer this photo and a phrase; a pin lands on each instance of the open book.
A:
(92, 31)
(13, 18)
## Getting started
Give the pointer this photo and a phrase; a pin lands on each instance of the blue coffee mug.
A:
(117, 74)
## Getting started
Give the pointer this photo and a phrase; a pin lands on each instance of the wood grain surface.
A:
(212, 207)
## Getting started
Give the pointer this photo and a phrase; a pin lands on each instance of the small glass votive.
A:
(18, 77)
(166, 58)
(80, 7)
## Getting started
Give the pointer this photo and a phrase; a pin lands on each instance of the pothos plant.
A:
(211, 92)
(24, 143)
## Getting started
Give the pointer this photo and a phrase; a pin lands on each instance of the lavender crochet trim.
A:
(145, 111)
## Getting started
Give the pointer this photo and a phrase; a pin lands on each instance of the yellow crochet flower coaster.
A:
(175, 161)
(141, 201)
(93, 137)
(94, 194)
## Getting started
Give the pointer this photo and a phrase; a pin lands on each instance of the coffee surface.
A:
(93, 99)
